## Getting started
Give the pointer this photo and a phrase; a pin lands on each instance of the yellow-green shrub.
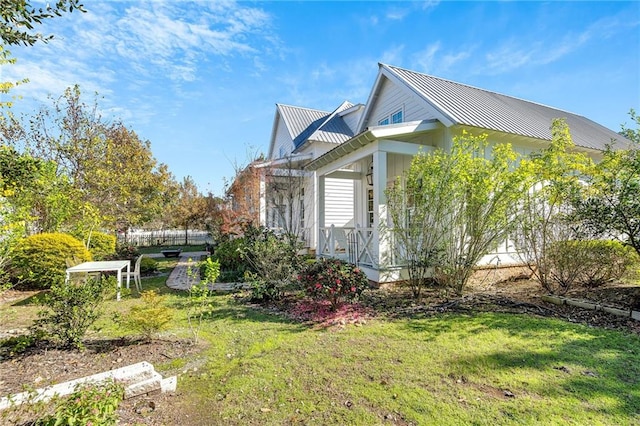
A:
(102, 246)
(148, 318)
(39, 261)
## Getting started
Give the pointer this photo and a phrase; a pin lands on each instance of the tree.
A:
(612, 205)
(453, 209)
(544, 218)
(18, 19)
(190, 208)
(111, 174)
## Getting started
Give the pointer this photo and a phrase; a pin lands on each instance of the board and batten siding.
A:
(393, 98)
(338, 205)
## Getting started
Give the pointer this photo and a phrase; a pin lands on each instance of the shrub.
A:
(39, 261)
(70, 310)
(588, 263)
(148, 266)
(89, 404)
(124, 252)
(102, 246)
(333, 280)
(148, 318)
(272, 262)
(229, 255)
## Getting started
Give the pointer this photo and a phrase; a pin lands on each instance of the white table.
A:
(103, 266)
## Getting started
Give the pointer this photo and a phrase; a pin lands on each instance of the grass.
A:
(262, 369)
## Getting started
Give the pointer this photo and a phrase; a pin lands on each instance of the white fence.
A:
(168, 237)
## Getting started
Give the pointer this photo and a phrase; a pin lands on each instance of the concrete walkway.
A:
(179, 278)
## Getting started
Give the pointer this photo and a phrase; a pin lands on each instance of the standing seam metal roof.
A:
(481, 108)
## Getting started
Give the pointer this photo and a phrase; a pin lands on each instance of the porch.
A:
(368, 164)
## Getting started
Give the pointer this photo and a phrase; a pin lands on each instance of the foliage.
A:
(70, 310)
(333, 280)
(588, 263)
(18, 18)
(39, 260)
(126, 252)
(452, 208)
(101, 245)
(89, 404)
(190, 209)
(272, 260)
(148, 318)
(110, 177)
(611, 207)
(229, 254)
(201, 297)
(14, 345)
(209, 270)
(148, 266)
(544, 216)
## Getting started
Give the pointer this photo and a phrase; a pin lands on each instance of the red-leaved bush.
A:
(333, 280)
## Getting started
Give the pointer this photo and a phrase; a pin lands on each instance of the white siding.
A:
(392, 98)
(338, 202)
(352, 119)
(283, 140)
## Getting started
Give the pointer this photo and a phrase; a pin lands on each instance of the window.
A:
(396, 117)
(370, 210)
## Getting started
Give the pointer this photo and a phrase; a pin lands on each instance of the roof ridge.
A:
(481, 89)
(305, 108)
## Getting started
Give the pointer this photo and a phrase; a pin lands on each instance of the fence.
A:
(171, 237)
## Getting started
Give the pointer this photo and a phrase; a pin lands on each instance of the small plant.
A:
(333, 280)
(90, 404)
(16, 344)
(148, 266)
(39, 260)
(70, 311)
(148, 318)
(200, 295)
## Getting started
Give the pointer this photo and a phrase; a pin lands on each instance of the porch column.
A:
(380, 205)
(263, 202)
(318, 198)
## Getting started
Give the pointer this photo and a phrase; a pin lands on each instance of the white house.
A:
(346, 158)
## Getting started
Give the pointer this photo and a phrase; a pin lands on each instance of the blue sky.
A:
(200, 80)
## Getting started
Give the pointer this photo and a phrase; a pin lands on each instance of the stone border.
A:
(138, 379)
(586, 304)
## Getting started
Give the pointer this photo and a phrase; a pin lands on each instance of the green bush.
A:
(102, 246)
(124, 252)
(588, 263)
(89, 404)
(148, 266)
(39, 261)
(272, 262)
(148, 318)
(70, 310)
(229, 255)
(333, 280)
(209, 270)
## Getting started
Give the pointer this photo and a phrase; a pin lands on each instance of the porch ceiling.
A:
(371, 135)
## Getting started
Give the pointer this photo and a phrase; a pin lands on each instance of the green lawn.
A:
(452, 369)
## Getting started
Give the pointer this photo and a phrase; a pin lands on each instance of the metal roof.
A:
(299, 120)
(471, 106)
